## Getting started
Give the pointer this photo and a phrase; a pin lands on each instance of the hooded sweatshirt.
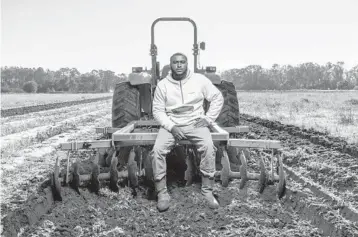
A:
(180, 103)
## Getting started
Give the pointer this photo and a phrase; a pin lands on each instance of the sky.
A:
(115, 34)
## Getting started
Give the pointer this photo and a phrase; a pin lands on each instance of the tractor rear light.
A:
(210, 69)
(137, 69)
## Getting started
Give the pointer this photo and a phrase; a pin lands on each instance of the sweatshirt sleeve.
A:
(216, 99)
(159, 113)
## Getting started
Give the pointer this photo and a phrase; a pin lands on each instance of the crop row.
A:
(36, 108)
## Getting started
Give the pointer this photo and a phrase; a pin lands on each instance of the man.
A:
(178, 108)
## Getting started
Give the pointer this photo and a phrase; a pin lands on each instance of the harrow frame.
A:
(134, 135)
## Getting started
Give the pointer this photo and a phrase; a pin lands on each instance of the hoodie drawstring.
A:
(170, 78)
(181, 90)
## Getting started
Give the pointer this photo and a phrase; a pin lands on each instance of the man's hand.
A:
(177, 133)
(202, 122)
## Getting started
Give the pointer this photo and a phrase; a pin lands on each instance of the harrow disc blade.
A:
(243, 170)
(225, 172)
(109, 155)
(263, 176)
(247, 153)
(281, 190)
(75, 183)
(101, 153)
(55, 183)
(56, 188)
(232, 153)
(94, 185)
(132, 170)
(113, 174)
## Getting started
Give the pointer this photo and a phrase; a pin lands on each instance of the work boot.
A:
(163, 195)
(207, 190)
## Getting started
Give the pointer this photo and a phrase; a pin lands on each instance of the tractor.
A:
(125, 147)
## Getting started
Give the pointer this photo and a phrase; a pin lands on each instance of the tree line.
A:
(253, 77)
(18, 79)
(286, 77)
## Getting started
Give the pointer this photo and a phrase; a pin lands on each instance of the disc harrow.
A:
(139, 137)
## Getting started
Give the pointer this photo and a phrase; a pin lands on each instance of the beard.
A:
(178, 76)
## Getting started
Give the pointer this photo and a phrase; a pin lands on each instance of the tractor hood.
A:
(139, 78)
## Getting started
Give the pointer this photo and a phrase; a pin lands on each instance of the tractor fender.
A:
(139, 78)
(214, 78)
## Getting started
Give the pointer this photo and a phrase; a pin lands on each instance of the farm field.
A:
(321, 164)
(9, 101)
(333, 112)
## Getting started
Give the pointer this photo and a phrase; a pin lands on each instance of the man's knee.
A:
(163, 143)
(160, 150)
(207, 146)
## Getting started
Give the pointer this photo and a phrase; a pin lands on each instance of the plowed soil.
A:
(321, 197)
(36, 108)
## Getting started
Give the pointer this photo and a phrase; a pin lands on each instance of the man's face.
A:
(179, 64)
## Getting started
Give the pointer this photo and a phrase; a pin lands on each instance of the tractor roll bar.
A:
(153, 47)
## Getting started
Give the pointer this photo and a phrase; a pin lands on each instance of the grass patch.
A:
(332, 112)
(352, 101)
(346, 116)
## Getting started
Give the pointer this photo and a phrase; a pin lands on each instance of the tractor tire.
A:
(125, 105)
(229, 115)
(230, 112)
(125, 109)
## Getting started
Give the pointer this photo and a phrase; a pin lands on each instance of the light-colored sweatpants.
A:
(165, 142)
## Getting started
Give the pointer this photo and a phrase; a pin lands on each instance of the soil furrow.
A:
(329, 174)
(332, 215)
(318, 211)
(36, 108)
(241, 214)
(23, 123)
(338, 204)
(326, 165)
(309, 208)
(46, 113)
(12, 143)
(313, 136)
(20, 180)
